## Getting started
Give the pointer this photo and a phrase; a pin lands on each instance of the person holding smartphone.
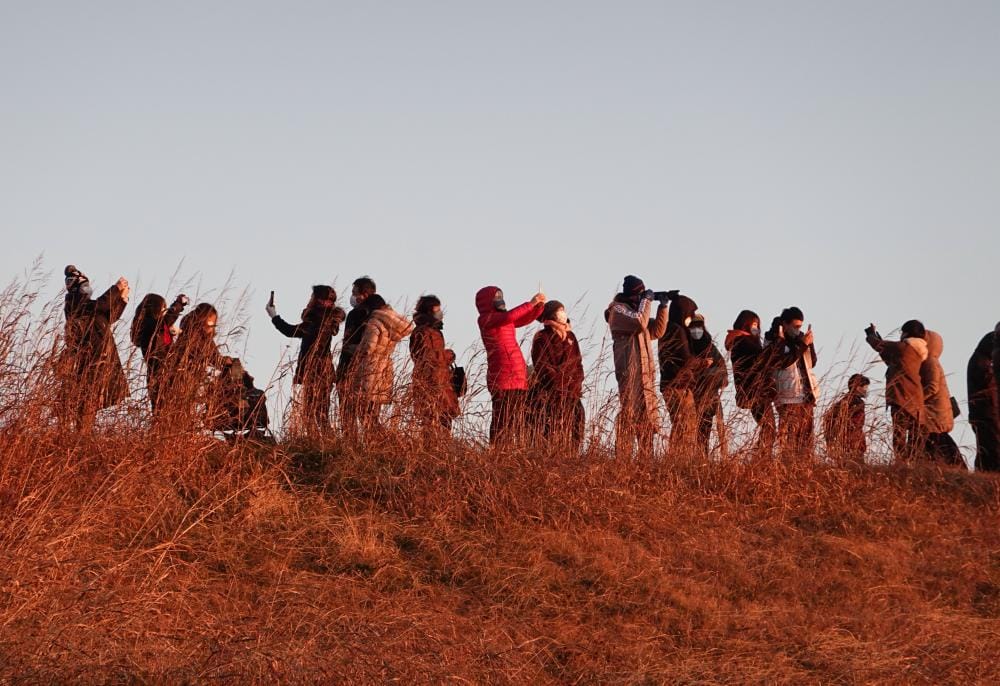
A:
(796, 386)
(904, 391)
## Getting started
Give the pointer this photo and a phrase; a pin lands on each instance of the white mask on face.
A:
(438, 315)
(755, 331)
(354, 300)
(794, 331)
(687, 321)
(561, 317)
(697, 334)
(86, 289)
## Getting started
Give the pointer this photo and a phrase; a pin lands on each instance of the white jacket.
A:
(791, 386)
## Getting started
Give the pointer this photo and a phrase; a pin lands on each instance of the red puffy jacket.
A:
(505, 367)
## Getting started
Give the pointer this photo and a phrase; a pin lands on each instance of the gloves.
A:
(271, 310)
(647, 294)
(182, 300)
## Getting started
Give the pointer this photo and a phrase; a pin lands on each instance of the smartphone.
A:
(271, 300)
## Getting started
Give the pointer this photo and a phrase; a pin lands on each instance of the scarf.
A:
(562, 330)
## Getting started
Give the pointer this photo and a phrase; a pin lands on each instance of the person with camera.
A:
(904, 391)
(796, 387)
(632, 335)
(362, 289)
(984, 413)
(844, 423)
(91, 370)
(314, 372)
(710, 376)
(371, 376)
(154, 327)
(435, 403)
(506, 371)
(556, 391)
(677, 371)
(939, 407)
(753, 377)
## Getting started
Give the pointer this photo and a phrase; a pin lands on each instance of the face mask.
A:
(86, 289)
(438, 315)
(697, 334)
(355, 300)
(561, 317)
(499, 304)
(755, 331)
(687, 321)
(794, 331)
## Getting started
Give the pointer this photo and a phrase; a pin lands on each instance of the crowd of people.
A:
(773, 372)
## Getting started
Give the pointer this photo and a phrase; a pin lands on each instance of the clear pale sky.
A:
(844, 157)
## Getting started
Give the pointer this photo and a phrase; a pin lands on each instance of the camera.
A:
(870, 332)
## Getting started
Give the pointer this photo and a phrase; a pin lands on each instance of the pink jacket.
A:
(505, 367)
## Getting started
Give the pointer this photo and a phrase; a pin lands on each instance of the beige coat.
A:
(938, 415)
(632, 333)
(371, 369)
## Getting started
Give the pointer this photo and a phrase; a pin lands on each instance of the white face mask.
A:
(438, 315)
(697, 334)
(354, 300)
(561, 317)
(755, 331)
(794, 331)
(687, 321)
(86, 289)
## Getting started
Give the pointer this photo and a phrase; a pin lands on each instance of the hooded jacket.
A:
(152, 334)
(371, 370)
(557, 363)
(632, 334)
(91, 354)
(505, 366)
(318, 327)
(982, 386)
(939, 417)
(674, 346)
(903, 387)
(793, 363)
(432, 388)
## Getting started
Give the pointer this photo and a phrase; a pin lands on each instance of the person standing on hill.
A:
(984, 415)
(844, 422)
(632, 335)
(677, 371)
(506, 371)
(557, 384)
(314, 372)
(939, 415)
(91, 370)
(153, 329)
(435, 404)
(372, 378)
(361, 290)
(904, 391)
(709, 378)
(796, 386)
(752, 376)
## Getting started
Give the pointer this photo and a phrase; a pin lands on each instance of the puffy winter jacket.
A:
(940, 418)
(903, 359)
(795, 381)
(505, 366)
(371, 371)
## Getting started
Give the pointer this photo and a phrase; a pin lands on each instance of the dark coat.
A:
(752, 368)
(317, 329)
(91, 355)
(674, 347)
(708, 380)
(557, 364)
(982, 384)
(353, 331)
(432, 389)
(844, 425)
(152, 335)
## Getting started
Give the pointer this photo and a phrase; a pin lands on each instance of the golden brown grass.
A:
(139, 555)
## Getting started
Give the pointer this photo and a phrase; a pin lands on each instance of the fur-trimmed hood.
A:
(920, 345)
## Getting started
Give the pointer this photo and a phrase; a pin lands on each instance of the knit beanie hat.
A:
(633, 285)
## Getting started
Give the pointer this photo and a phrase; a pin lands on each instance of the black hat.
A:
(858, 378)
(632, 285)
(914, 329)
(74, 277)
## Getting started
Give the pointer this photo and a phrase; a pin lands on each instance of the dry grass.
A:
(138, 555)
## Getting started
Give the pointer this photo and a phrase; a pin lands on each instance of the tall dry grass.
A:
(145, 553)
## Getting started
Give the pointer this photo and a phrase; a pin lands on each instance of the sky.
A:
(843, 157)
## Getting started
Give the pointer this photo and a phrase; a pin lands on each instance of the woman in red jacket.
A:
(506, 372)
(557, 382)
